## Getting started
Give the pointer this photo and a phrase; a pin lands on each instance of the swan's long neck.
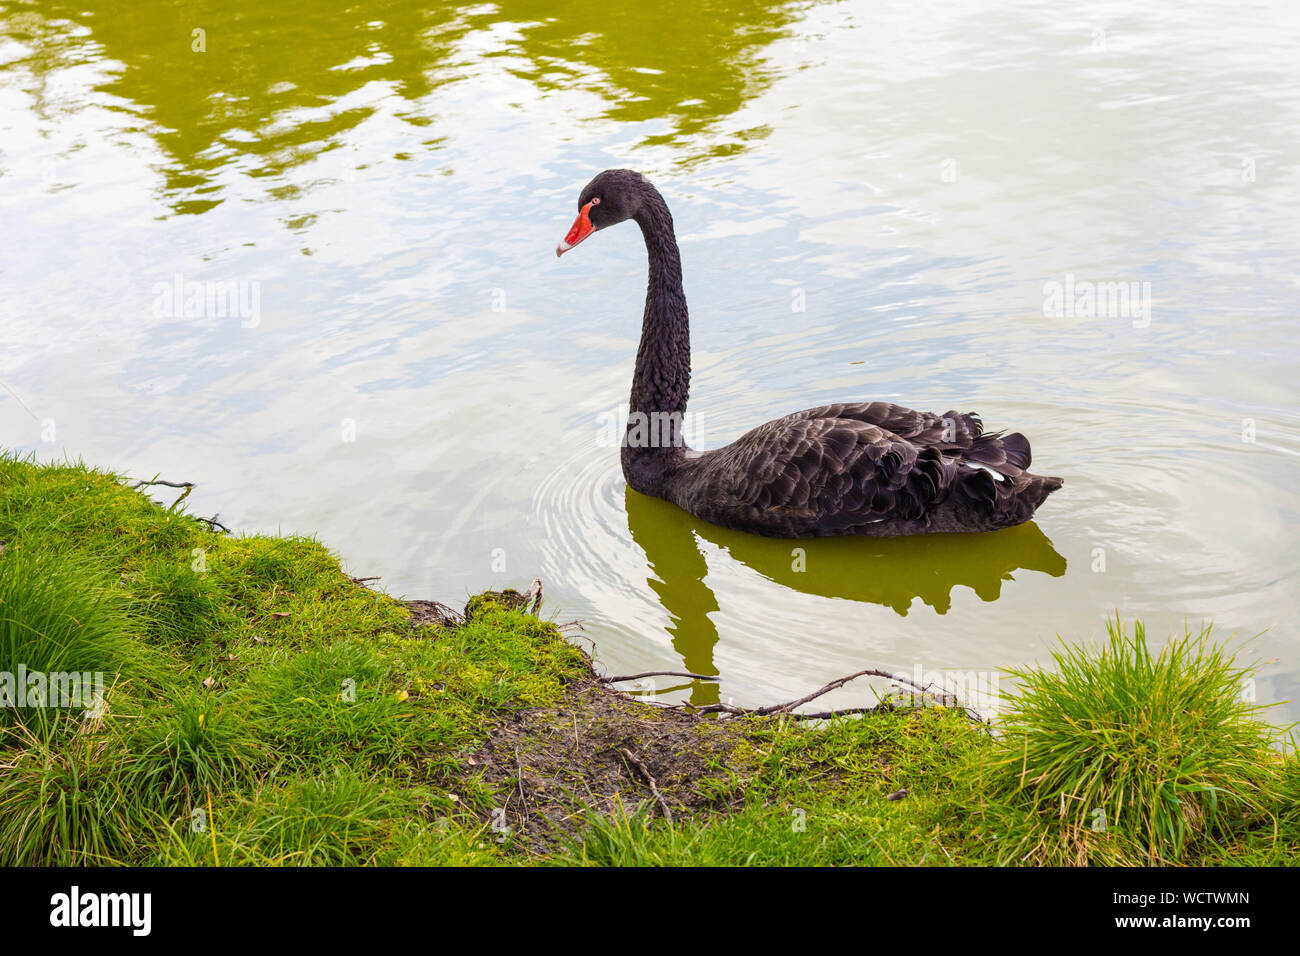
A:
(662, 380)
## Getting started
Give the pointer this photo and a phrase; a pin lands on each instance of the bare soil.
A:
(554, 763)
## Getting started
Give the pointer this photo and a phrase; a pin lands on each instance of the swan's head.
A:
(610, 198)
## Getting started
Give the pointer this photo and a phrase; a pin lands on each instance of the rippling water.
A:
(873, 201)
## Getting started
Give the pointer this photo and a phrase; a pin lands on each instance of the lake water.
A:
(1083, 225)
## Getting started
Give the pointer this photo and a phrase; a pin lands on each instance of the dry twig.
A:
(786, 709)
(213, 524)
(649, 778)
(146, 482)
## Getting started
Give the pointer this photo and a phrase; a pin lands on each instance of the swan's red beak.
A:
(580, 230)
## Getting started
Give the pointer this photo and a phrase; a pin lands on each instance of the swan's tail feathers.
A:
(1003, 454)
(961, 429)
(1016, 447)
(1042, 486)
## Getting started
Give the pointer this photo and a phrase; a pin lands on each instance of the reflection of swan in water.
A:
(677, 570)
(892, 572)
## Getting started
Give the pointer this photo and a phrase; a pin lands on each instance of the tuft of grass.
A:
(70, 805)
(192, 745)
(1132, 751)
(180, 605)
(60, 614)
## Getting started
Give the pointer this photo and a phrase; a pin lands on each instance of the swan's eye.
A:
(595, 202)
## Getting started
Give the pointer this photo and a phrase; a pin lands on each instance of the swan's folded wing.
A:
(952, 429)
(840, 471)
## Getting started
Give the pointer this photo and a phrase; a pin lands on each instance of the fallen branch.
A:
(144, 483)
(835, 685)
(622, 677)
(187, 485)
(842, 711)
(523, 796)
(649, 778)
(213, 524)
(786, 709)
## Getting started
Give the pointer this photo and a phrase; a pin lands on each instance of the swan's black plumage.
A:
(868, 468)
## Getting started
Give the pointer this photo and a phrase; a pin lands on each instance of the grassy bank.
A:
(261, 707)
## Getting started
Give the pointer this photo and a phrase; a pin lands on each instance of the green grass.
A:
(339, 818)
(62, 613)
(1155, 750)
(263, 709)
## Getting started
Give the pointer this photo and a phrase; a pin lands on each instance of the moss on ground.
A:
(264, 708)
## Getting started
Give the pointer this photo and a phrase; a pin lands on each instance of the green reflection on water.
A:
(273, 87)
(892, 572)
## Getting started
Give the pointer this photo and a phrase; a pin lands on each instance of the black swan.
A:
(866, 468)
